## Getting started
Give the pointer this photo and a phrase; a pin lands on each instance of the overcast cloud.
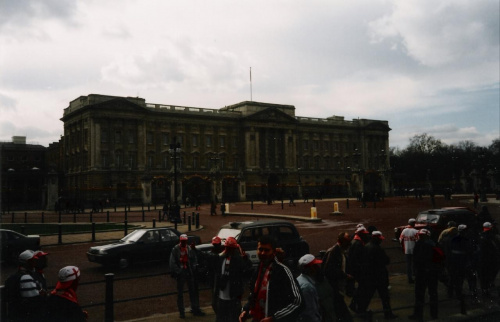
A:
(424, 66)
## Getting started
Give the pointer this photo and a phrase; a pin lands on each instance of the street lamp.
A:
(215, 173)
(175, 149)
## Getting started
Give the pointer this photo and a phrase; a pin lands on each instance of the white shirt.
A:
(408, 238)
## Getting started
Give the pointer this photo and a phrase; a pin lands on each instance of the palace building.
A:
(126, 149)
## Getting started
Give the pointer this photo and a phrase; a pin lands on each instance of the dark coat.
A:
(374, 263)
(332, 266)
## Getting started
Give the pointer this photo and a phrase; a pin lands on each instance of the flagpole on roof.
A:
(251, 84)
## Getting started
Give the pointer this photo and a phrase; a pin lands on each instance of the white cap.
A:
(411, 220)
(66, 277)
(378, 234)
(424, 232)
(183, 237)
(462, 227)
(26, 256)
(309, 259)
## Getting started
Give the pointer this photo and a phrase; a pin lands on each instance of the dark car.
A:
(139, 246)
(14, 243)
(247, 234)
(436, 220)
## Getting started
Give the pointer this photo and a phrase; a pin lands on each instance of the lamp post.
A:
(215, 173)
(36, 186)
(175, 149)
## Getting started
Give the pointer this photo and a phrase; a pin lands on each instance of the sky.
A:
(425, 66)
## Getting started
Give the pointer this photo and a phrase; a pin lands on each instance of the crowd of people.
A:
(354, 267)
(28, 298)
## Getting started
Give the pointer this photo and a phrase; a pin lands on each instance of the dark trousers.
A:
(365, 292)
(423, 281)
(193, 292)
(409, 266)
(228, 310)
(340, 308)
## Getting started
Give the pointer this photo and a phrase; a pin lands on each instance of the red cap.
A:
(216, 240)
(231, 242)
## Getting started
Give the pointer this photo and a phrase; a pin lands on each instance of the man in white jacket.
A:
(407, 239)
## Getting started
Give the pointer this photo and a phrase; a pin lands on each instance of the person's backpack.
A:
(12, 287)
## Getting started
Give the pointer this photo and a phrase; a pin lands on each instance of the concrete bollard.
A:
(314, 214)
(335, 207)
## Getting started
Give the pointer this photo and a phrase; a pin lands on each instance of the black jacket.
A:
(283, 294)
(332, 266)
(239, 269)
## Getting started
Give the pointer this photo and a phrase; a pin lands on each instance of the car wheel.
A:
(123, 262)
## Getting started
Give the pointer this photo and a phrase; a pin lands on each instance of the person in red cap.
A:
(310, 268)
(40, 263)
(183, 262)
(374, 277)
(62, 303)
(489, 257)
(232, 269)
(407, 239)
(353, 262)
(426, 275)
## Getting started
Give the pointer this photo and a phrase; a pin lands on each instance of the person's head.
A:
(183, 240)
(68, 278)
(231, 245)
(344, 240)
(424, 234)
(27, 259)
(363, 233)
(451, 223)
(40, 259)
(412, 222)
(487, 226)
(377, 237)
(462, 229)
(310, 265)
(266, 249)
(216, 244)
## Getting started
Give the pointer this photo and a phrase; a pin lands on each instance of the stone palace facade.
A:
(121, 148)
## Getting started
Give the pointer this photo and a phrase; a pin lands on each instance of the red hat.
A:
(39, 254)
(231, 242)
(216, 240)
(66, 277)
(487, 226)
(183, 237)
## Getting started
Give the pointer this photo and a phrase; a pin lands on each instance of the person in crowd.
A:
(232, 270)
(334, 271)
(426, 275)
(460, 262)
(62, 304)
(353, 263)
(310, 276)
(223, 208)
(23, 293)
(374, 277)
(408, 238)
(484, 216)
(213, 208)
(211, 259)
(40, 263)
(444, 242)
(274, 292)
(183, 262)
(488, 257)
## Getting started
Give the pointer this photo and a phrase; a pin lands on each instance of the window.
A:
(222, 141)
(149, 137)
(118, 159)
(104, 136)
(235, 142)
(235, 163)
(195, 162)
(195, 140)
(150, 161)
(316, 145)
(104, 160)
(208, 140)
(165, 138)
(118, 137)
(131, 137)
(306, 145)
(131, 160)
(165, 160)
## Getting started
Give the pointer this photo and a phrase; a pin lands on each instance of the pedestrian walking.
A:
(40, 263)
(231, 273)
(408, 238)
(489, 258)
(460, 263)
(213, 208)
(334, 271)
(444, 242)
(374, 277)
(183, 262)
(426, 275)
(62, 304)
(310, 276)
(223, 208)
(274, 293)
(354, 263)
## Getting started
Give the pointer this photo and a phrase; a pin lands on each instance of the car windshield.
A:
(133, 236)
(427, 218)
(224, 233)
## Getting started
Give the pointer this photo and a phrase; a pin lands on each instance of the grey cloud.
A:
(7, 103)
(21, 12)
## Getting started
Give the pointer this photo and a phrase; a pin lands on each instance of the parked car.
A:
(247, 234)
(436, 220)
(140, 245)
(14, 243)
